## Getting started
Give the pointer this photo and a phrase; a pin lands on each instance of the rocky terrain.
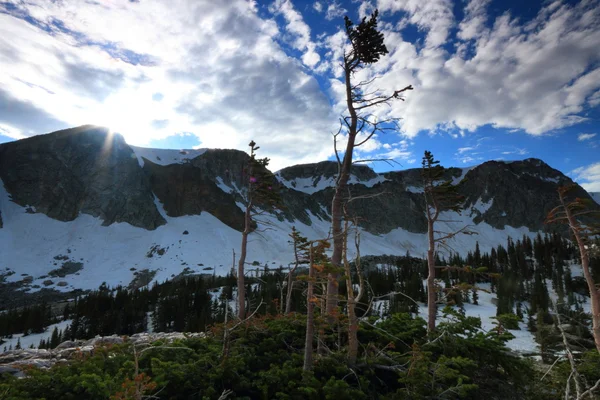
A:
(16, 361)
(87, 197)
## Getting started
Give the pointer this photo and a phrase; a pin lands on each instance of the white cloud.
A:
(585, 136)
(465, 149)
(335, 10)
(434, 16)
(500, 76)
(588, 177)
(517, 151)
(299, 30)
(152, 69)
(365, 9)
(217, 69)
(473, 25)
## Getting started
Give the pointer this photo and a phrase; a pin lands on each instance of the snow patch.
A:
(165, 156)
(456, 181)
(33, 339)
(315, 184)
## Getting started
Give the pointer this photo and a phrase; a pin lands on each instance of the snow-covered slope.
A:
(315, 184)
(35, 244)
(165, 156)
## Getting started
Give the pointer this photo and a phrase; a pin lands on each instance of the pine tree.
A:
(261, 191)
(54, 341)
(439, 196)
(571, 212)
(367, 47)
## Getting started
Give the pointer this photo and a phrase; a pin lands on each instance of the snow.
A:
(35, 338)
(414, 189)
(456, 181)
(482, 206)
(29, 243)
(165, 156)
(523, 342)
(315, 184)
(223, 186)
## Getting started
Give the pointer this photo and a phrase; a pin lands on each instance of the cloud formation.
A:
(232, 71)
(153, 69)
(588, 177)
(585, 136)
(503, 73)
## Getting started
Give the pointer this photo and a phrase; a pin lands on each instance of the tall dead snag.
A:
(365, 47)
(352, 299)
(571, 212)
(439, 196)
(261, 193)
(316, 267)
(310, 315)
(300, 244)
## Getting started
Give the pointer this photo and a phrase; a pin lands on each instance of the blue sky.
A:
(493, 79)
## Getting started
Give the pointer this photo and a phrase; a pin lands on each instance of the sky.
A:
(493, 79)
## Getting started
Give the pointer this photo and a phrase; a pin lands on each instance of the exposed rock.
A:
(67, 268)
(14, 362)
(142, 278)
(184, 189)
(88, 170)
(324, 170)
(84, 169)
(521, 193)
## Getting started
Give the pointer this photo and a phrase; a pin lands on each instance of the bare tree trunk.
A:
(351, 305)
(290, 282)
(241, 287)
(226, 333)
(431, 295)
(288, 300)
(337, 204)
(585, 264)
(310, 307)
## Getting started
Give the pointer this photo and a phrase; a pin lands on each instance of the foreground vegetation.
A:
(264, 361)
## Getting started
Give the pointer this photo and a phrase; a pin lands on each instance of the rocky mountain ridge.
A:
(60, 186)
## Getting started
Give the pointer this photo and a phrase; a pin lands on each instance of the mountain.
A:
(80, 207)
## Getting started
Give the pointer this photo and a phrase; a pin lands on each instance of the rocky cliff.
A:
(170, 212)
(81, 170)
(88, 170)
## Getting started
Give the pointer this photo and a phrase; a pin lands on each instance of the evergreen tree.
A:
(366, 48)
(440, 195)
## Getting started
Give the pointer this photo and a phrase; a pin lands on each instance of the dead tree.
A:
(353, 300)
(300, 244)
(365, 47)
(439, 196)
(316, 267)
(570, 212)
(261, 192)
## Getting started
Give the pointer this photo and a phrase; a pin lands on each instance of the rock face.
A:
(521, 193)
(87, 170)
(324, 170)
(80, 170)
(15, 361)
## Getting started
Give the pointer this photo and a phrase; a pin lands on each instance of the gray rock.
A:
(84, 169)
(69, 344)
